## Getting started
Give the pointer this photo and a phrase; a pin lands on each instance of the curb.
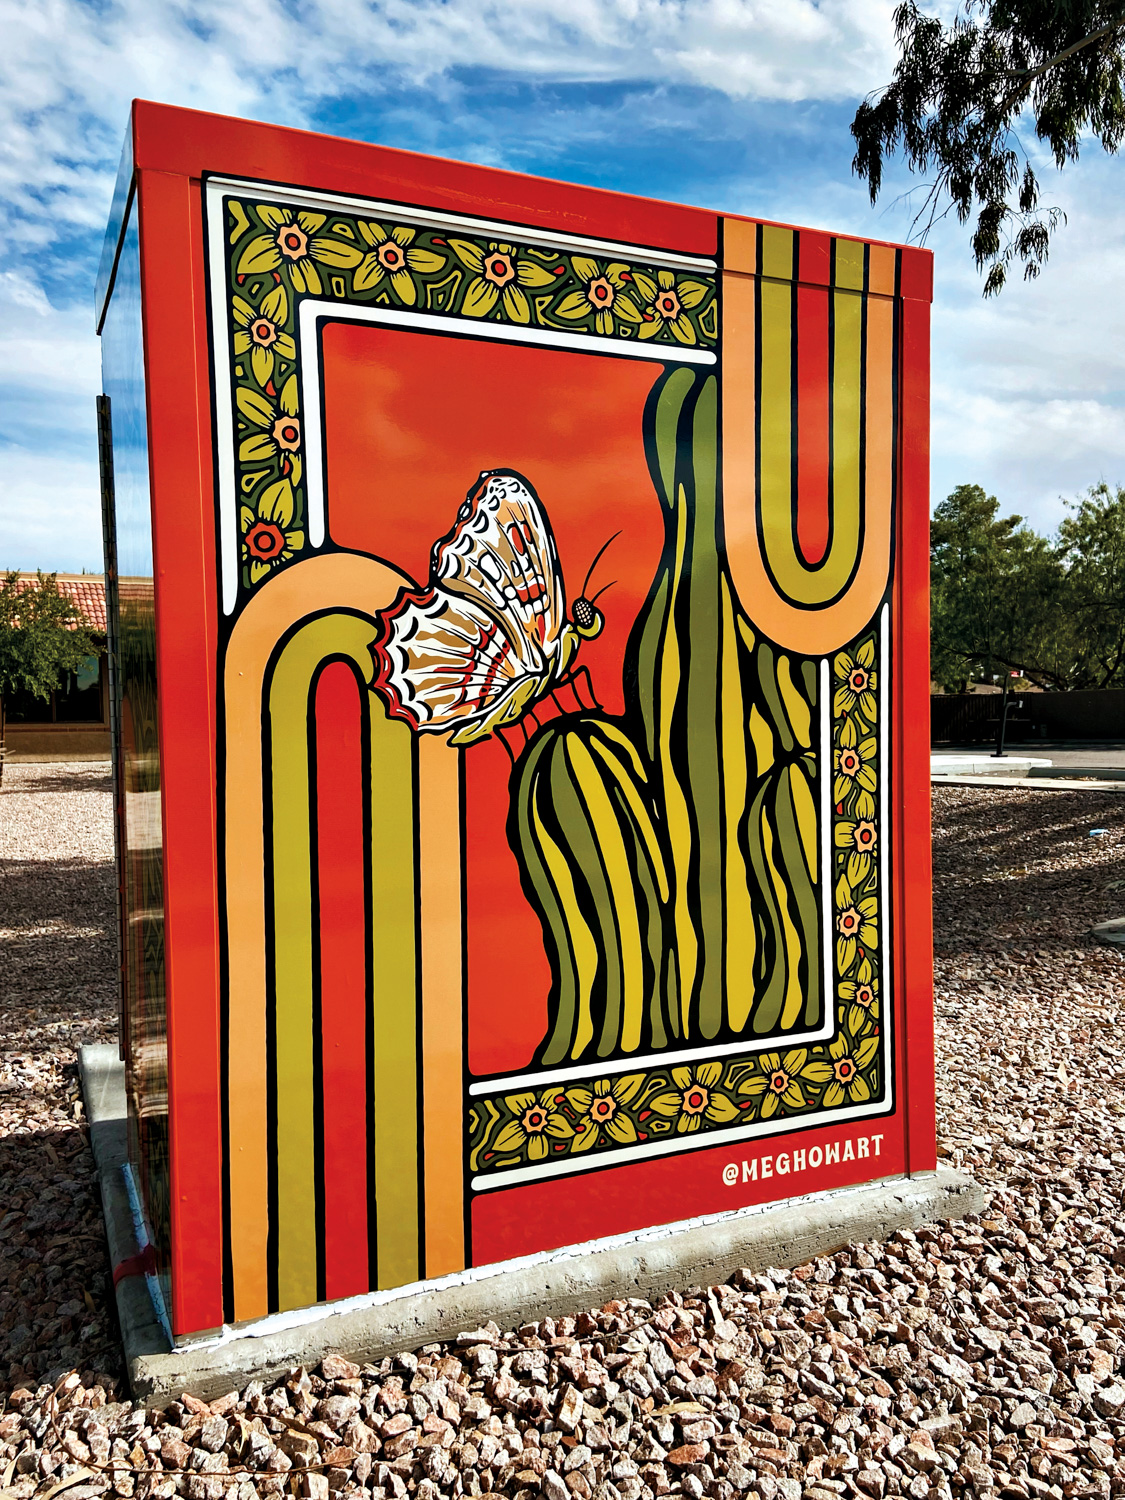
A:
(644, 1264)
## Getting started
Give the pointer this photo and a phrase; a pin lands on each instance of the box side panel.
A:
(180, 462)
(138, 746)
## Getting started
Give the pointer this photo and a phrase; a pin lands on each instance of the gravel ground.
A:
(983, 1358)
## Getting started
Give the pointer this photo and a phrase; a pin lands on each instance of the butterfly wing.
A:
(501, 554)
(444, 664)
(477, 648)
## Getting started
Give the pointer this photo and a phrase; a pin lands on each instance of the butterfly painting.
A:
(489, 636)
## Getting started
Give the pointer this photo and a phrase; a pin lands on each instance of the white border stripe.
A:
(224, 421)
(315, 310)
(438, 219)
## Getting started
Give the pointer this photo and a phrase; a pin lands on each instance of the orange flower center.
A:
(849, 762)
(668, 306)
(844, 1070)
(864, 995)
(779, 1081)
(695, 1101)
(848, 921)
(534, 1121)
(857, 680)
(864, 835)
(499, 270)
(287, 433)
(390, 256)
(264, 540)
(292, 242)
(600, 292)
(603, 1108)
(263, 332)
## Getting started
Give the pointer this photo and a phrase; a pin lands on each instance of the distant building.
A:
(73, 723)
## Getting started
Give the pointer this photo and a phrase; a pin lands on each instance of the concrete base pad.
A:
(646, 1264)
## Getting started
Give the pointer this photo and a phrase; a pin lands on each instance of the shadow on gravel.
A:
(56, 1291)
(80, 776)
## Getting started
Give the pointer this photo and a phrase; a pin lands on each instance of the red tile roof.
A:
(87, 590)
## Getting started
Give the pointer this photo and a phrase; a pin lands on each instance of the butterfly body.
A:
(489, 636)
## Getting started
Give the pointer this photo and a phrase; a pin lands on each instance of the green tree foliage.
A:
(1003, 598)
(1091, 545)
(960, 92)
(43, 634)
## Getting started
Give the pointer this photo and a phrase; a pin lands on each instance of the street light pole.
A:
(999, 751)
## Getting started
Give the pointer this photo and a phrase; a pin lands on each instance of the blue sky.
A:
(733, 104)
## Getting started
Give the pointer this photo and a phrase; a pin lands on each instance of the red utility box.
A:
(520, 640)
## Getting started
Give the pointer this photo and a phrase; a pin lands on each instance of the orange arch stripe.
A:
(810, 609)
(334, 582)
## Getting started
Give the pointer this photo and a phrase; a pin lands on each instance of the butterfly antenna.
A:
(601, 591)
(595, 562)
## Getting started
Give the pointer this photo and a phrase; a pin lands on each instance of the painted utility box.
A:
(520, 643)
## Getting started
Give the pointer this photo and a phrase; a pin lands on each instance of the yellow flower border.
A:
(277, 256)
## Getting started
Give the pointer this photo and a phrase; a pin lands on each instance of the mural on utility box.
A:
(565, 843)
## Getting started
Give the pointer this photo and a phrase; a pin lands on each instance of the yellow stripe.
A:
(675, 803)
(849, 265)
(778, 246)
(740, 943)
(394, 1000)
(775, 438)
(292, 949)
(847, 397)
(794, 995)
(440, 848)
(585, 949)
(622, 890)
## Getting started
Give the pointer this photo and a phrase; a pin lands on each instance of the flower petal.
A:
(584, 268)
(261, 362)
(511, 1137)
(721, 1110)
(833, 1095)
(335, 253)
(405, 290)
(709, 1074)
(289, 399)
(261, 254)
(622, 1130)
(468, 254)
(574, 305)
(532, 275)
(515, 304)
(425, 262)
(275, 305)
(402, 235)
(666, 1105)
(276, 503)
(254, 408)
(480, 298)
(626, 1089)
(583, 1140)
(369, 272)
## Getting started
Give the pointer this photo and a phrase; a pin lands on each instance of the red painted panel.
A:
(812, 420)
(914, 942)
(343, 977)
(916, 277)
(814, 257)
(191, 142)
(180, 466)
(594, 1205)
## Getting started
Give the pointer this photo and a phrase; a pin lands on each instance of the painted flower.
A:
(391, 256)
(861, 996)
(602, 1109)
(536, 1121)
(501, 278)
(278, 426)
(857, 682)
(781, 1078)
(268, 533)
(693, 1099)
(859, 837)
(855, 762)
(606, 293)
(667, 301)
(258, 333)
(855, 923)
(293, 243)
(849, 1060)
